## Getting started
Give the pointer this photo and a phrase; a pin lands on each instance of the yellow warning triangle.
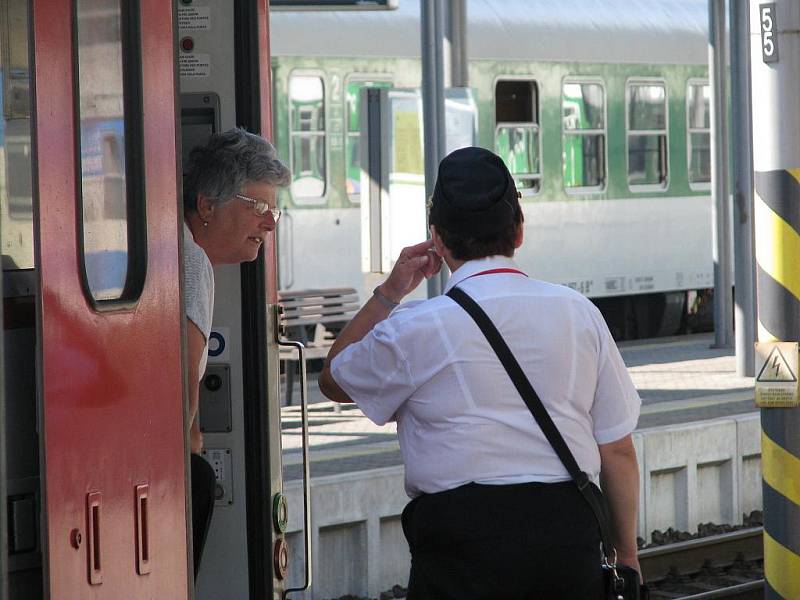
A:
(776, 369)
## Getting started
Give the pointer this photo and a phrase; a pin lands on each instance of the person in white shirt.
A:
(493, 513)
(230, 196)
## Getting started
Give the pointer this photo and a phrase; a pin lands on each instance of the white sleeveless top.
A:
(198, 289)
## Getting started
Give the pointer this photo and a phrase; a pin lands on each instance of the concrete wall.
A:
(357, 542)
(701, 472)
(691, 474)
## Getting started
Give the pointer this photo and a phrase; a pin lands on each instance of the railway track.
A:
(719, 566)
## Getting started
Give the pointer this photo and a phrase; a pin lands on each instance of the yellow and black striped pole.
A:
(775, 64)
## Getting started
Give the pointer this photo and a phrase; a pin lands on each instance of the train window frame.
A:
(586, 189)
(696, 186)
(647, 187)
(309, 200)
(356, 77)
(135, 184)
(536, 124)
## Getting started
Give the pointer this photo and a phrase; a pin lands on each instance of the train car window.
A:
(516, 136)
(112, 202)
(16, 198)
(307, 122)
(352, 144)
(698, 126)
(647, 135)
(583, 119)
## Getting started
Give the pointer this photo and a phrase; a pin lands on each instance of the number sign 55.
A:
(769, 32)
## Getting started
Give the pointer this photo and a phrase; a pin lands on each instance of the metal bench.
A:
(314, 318)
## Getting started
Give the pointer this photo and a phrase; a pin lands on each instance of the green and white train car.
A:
(600, 109)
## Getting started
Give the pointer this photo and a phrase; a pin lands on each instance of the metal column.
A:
(432, 37)
(775, 60)
(717, 54)
(742, 148)
(455, 75)
(457, 71)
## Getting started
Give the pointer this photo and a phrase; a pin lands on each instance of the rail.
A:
(752, 590)
(717, 551)
(692, 555)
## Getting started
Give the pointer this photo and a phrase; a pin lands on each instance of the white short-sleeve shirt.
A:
(459, 417)
(198, 289)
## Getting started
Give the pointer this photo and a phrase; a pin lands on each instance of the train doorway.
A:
(224, 68)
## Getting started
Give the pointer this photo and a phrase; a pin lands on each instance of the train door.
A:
(108, 308)
(224, 71)
(393, 213)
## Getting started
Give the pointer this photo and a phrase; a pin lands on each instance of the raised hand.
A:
(414, 264)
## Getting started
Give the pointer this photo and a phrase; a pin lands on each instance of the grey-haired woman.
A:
(230, 206)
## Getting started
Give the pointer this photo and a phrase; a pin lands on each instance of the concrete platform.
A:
(698, 443)
(680, 380)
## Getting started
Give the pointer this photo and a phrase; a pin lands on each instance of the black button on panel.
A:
(213, 382)
(215, 399)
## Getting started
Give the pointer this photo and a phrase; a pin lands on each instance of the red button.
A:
(187, 44)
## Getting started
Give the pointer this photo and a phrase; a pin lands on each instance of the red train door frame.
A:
(259, 310)
(110, 388)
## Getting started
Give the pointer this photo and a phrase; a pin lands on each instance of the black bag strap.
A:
(539, 412)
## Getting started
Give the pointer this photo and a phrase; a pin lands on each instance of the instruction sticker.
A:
(194, 18)
(194, 65)
(776, 374)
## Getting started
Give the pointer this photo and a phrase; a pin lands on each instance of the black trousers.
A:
(515, 542)
(204, 483)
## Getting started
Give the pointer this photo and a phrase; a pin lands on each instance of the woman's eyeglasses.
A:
(261, 207)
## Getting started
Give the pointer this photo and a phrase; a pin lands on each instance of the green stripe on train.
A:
(336, 167)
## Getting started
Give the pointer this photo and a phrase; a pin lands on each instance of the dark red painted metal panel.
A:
(111, 381)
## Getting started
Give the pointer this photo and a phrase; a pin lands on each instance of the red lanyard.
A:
(493, 271)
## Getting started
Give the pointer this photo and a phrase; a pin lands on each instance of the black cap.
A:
(474, 194)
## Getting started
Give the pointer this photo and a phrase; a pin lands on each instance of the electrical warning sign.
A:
(776, 374)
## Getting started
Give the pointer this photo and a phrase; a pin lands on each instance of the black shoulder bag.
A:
(621, 582)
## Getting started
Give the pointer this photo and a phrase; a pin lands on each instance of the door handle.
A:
(142, 529)
(94, 503)
(301, 351)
